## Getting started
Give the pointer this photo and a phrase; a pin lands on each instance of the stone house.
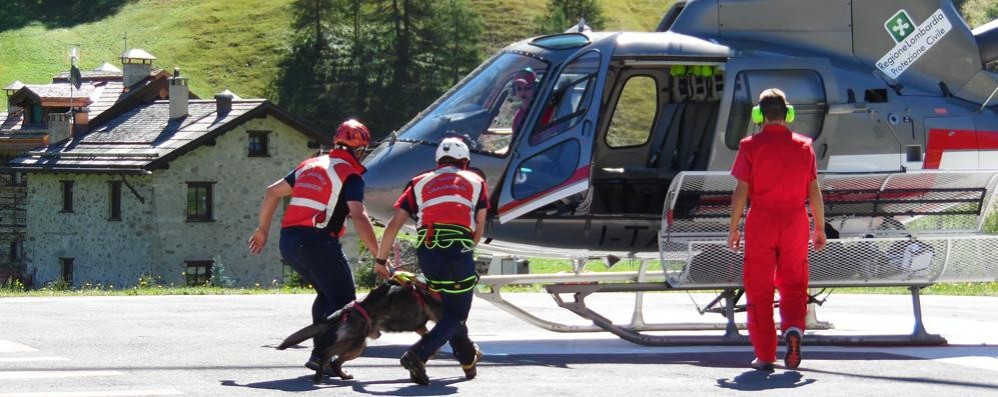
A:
(33, 110)
(160, 189)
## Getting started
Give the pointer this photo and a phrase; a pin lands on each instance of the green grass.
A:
(217, 43)
(223, 44)
(44, 292)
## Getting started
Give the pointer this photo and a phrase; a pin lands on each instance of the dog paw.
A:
(344, 375)
(340, 372)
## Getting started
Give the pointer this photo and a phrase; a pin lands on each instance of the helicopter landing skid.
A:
(581, 285)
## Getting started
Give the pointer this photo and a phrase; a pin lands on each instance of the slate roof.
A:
(60, 90)
(137, 53)
(16, 85)
(90, 75)
(145, 138)
(107, 96)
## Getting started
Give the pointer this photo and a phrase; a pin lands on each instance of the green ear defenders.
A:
(758, 119)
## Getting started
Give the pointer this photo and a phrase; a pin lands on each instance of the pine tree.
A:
(381, 61)
(563, 14)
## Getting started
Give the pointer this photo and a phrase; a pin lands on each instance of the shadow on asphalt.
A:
(718, 359)
(437, 387)
(753, 380)
(749, 380)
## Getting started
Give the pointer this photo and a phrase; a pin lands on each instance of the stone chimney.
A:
(223, 102)
(136, 65)
(81, 121)
(10, 90)
(179, 95)
(60, 127)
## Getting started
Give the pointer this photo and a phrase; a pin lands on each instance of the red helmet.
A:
(353, 134)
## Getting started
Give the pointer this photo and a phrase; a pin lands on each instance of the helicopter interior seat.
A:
(698, 136)
(684, 146)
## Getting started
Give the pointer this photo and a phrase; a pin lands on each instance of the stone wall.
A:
(105, 251)
(156, 237)
(239, 183)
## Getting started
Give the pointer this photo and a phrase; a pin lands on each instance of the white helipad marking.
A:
(968, 356)
(54, 374)
(30, 359)
(96, 393)
(7, 346)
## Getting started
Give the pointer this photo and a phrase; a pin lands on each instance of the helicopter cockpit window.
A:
(569, 100)
(485, 107)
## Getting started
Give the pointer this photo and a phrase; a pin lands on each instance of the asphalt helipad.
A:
(222, 345)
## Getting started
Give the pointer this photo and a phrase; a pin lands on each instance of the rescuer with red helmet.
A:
(324, 191)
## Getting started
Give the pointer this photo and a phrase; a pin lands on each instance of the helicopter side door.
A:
(552, 155)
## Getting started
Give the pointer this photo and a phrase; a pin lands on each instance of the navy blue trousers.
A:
(319, 259)
(448, 264)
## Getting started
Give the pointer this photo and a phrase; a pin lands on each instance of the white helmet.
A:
(453, 147)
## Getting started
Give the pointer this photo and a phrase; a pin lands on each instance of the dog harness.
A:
(416, 287)
(357, 307)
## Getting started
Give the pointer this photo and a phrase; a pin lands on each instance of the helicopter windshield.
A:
(487, 109)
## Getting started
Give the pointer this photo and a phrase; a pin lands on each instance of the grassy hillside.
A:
(236, 44)
(217, 43)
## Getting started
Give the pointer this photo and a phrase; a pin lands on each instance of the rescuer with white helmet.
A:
(448, 205)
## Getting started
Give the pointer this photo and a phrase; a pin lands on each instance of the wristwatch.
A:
(381, 261)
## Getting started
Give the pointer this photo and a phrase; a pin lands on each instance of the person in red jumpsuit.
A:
(776, 172)
(448, 205)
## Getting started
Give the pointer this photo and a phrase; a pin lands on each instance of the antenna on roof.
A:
(581, 27)
(75, 77)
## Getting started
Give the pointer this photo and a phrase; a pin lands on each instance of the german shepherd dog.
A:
(400, 305)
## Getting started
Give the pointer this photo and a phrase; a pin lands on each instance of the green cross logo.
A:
(899, 26)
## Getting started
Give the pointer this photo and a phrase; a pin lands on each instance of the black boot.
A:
(417, 368)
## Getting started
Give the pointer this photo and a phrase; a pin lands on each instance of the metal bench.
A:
(906, 230)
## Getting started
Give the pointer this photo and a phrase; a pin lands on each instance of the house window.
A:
(258, 141)
(199, 201)
(67, 196)
(66, 265)
(198, 272)
(114, 200)
(15, 250)
(12, 179)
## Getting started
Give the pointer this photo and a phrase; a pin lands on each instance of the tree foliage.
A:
(381, 61)
(563, 14)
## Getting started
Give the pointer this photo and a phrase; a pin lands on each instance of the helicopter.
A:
(591, 141)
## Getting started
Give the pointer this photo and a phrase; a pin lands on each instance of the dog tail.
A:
(306, 333)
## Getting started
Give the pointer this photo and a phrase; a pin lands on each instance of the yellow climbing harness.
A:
(444, 236)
